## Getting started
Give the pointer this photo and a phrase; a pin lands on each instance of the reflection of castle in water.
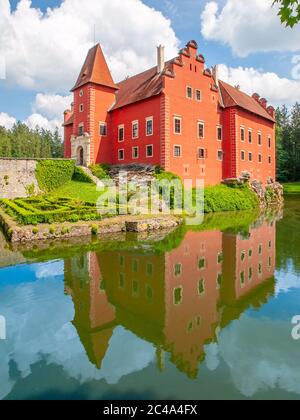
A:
(178, 300)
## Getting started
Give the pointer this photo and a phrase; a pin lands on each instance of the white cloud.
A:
(37, 120)
(248, 27)
(46, 51)
(6, 120)
(51, 106)
(276, 90)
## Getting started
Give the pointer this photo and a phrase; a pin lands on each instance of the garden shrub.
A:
(80, 176)
(52, 174)
(223, 198)
(100, 171)
(94, 229)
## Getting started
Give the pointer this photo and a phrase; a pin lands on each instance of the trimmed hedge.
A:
(49, 210)
(52, 174)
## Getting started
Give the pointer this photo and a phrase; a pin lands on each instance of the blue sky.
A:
(254, 50)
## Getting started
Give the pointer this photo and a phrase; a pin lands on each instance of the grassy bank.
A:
(221, 198)
(292, 188)
(78, 191)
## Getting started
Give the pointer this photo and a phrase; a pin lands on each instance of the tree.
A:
(289, 11)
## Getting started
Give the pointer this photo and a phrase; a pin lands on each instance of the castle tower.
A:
(94, 93)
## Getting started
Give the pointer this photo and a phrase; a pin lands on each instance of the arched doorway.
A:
(80, 156)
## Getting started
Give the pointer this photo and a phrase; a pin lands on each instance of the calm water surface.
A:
(198, 314)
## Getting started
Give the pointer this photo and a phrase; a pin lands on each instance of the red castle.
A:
(177, 115)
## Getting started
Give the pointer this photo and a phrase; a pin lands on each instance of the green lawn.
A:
(292, 188)
(79, 191)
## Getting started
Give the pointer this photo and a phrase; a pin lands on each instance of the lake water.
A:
(198, 314)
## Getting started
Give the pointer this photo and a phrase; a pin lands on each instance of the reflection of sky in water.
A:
(38, 318)
(257, 350)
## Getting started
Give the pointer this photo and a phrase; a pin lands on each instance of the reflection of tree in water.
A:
(177, 299)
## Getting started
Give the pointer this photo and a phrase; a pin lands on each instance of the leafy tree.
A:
(289, 11)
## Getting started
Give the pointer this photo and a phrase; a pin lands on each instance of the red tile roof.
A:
(69, 121)
(137, 88)
(95, 70)
(234, 97)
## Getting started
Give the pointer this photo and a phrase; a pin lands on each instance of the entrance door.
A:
(80, 156)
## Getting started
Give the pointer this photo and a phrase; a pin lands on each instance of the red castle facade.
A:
(177, 115)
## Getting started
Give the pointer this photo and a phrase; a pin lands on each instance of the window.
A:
(81, 93)
(220, 155)
(250, 136)
(220, 258)
(259, 137)
(242, 155)
(135, 288)
(201, 130)
(149, 151)
(242, 134)
(135, 129)
(121, 261)
(177, 270)
(135, 153)
(121, 154)
(219, 133)
(260, 158)
(81, 108)
(260, 269)
(103, 129)
(189, 92)
(243, 256)
(250, 253)
(242, 278)
(219, 280)
(250, 274)
(177, 125)
(270, 142)
(149, 292)
(121, 133)
(201, 153)
(121, 281)
(260, 248)
(149, 126)
(201, 287)
(250, 157)
(149, 269)
(80, 129)
(177, 151)
(270, 160)
(201, 263)
(177, 295)
(135, 266)
(198, 95)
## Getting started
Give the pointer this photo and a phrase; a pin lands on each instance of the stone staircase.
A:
(139, 174)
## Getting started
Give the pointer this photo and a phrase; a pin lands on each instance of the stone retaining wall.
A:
(15, 176)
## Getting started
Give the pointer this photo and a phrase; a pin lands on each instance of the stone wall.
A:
(15, 176)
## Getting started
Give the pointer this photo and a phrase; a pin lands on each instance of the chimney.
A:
(160, 59)
(263, 102)
(215, 72)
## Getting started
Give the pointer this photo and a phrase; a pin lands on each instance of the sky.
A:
(43, 45)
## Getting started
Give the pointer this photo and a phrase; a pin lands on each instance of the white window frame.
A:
(138, 152)
(269, 141)
(121, 127)
(198, 155)
(198, 134)
(81, 108)
(270, 160)
(196, 91)
(243, 160)
(220, 126)
(242, 128)
(102, 124)
(260, 161)
(180, 147)
(250, 154)
(176, 117)
(121, 150)
(220, 151)
(136, 122)
(192, 93)
(81, 93)
(250, 131)
(261, 139)
(148, 156)
(152, 121)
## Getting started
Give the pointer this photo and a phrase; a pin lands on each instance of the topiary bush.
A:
(52, 174)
